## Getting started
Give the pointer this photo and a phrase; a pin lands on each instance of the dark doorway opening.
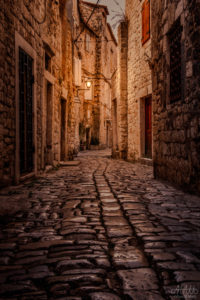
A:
(63, 130)
(49, 116)
(148, 127)
(26, 112)
(87, 138)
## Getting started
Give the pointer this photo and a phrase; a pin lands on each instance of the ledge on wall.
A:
(146, 161)
(70, 163)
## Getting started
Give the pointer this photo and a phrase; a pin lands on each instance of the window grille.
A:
(175, 61)
(26, 111)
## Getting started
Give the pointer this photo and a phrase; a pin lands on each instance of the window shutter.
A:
(143, 24)
(145, 21)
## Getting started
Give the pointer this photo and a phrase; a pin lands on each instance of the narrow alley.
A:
(101, 229)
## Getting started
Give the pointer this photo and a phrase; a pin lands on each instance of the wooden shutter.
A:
(145, 21)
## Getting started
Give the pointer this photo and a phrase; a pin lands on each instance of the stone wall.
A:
(33, 26)
(7, 93)
(176, 124)
(139, 84)
(119, 97)
(108, 67)
(98, 64)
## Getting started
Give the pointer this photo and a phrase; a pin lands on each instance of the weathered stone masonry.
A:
(139, 82)
(98, 64)
(176, 124)
(134, 86)
(119, 97)
(38, 31)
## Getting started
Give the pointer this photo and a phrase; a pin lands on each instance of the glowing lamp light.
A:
(88, 84)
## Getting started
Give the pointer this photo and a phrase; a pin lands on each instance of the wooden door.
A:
(49, 115)
(148, 127)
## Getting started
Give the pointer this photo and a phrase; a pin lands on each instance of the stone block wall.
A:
(119, 96)
(98, 64)
(33, 26)
(7, 93)
(176, 124)
(139, 82)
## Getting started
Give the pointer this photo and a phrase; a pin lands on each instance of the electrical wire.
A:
(87, 21)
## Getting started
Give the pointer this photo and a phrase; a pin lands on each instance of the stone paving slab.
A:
(103, 229)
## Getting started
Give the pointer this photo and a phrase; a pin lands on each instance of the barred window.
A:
(174, 36)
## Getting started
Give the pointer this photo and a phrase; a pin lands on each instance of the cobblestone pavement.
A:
(102, 230)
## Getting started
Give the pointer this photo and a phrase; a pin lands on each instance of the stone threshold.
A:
(69, 163)
(26, 176)
(146, 161)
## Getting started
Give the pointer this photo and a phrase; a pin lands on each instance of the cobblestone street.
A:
(104, 229)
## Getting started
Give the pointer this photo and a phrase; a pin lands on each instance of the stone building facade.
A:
(119, 97)
(95, 61)
(139, 83)
(37, 93)
(176, 91)
(134, 101)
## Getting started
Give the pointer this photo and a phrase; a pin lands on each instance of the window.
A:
(145, 21)
(47, 62)
(26, 111)
(87, 42)
(174, 36)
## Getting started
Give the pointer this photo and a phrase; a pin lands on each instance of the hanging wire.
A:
(87, 21)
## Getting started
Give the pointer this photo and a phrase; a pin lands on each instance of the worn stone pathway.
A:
(102, 230)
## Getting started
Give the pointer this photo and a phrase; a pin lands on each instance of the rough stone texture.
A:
(60, 246)
(132, 84)
(176, 125)
(119, 97)
(139, 84)
(24, 17)
(98, 64)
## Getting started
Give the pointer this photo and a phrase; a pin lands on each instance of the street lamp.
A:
(88, 84)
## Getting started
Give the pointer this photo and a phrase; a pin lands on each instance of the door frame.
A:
(20, 42)
(48, 78)
(149, 99)
(143, 127)
(63, 130)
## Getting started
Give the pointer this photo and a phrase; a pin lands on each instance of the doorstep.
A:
(146, 161)
(69, 163)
